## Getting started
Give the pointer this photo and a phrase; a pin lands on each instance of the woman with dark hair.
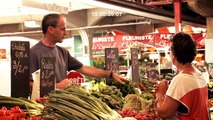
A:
(187, 95)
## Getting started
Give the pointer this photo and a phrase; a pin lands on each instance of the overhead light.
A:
(31, 24)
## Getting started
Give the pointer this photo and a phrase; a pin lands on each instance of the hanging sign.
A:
(20, 74)
(152, 71)
(111, 61)
(135, 65)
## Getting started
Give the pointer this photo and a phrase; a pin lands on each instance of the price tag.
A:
(75, 77)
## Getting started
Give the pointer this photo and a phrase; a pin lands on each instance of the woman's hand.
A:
(162, 87)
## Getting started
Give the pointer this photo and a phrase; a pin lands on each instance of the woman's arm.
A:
(166, 106)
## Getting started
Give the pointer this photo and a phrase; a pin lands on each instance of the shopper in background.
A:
(54, 30)
(187, 94)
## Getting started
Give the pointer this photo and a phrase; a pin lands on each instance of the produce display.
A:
(134, 98)
(110, 95)
(210, 90)
(76, 103)
(210, 95)
(99, 102)
(19, 108)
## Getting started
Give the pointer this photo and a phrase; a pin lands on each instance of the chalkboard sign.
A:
(152, 71)
(135, 65)
(47, 75)
(111, 61)
(20, 74)
(210, 70)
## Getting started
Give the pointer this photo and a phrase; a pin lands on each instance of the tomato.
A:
(30, 118)
(8, 113)
(38, 118)
(4, 108)
(12, 109)
(18, 110)
(134, 113)
(125, 111)
(141, 117)
(121, 113)
(2, 113)
(41, 100)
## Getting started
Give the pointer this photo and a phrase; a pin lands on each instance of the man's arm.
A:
(99, 73)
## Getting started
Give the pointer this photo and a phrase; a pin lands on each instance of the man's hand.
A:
(63, 84)
(119, 79)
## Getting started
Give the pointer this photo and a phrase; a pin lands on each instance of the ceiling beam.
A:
(128, 17)
(160, 2)
(147, 11)
(45, 6)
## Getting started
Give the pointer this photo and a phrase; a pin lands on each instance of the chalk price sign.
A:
(47, 75)
(135, 66)
(20, 73)
(111, 61)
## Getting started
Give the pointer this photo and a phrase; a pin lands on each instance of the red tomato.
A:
(134, 113)
(38, 118)
(4, 108)
(2, 113)
(125, 111)
(30, 118)
(8, 113)
(12, 109)
(121, 113)
(129, 113)
(18, 110)
(141, 117)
